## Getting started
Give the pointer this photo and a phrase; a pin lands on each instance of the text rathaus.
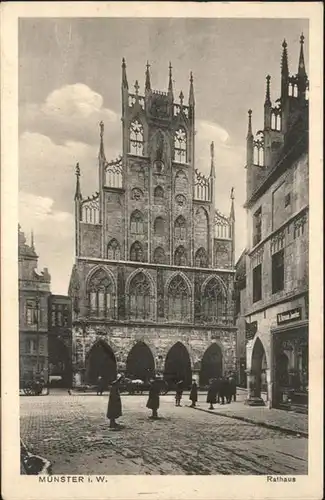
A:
(152, 284)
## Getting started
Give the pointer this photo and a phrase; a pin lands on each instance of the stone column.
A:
(254, 390)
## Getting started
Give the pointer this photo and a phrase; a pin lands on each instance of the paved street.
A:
(72, 432)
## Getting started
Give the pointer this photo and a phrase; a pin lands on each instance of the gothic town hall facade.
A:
(152, 284)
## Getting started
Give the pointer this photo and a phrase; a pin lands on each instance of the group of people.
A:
(220, 389)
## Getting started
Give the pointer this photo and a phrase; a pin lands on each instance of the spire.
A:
(301, 66)
(181, 98)
(124, 78)
(212, 170)
(249, 131)
(284, 61)
(232, 207)
(170, 82)
(191, 100)
(148, 84)
(101, 154)
(267, 94)
(32, 240)
(77, 195)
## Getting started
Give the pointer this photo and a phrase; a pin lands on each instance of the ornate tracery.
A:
(178, 299)
(101, 295)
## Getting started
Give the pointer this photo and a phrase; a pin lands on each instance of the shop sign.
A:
(288, 316)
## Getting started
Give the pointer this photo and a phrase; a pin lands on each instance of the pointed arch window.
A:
(180, 146)
(101, 295)
(214, 302)
(159, 256)
(136, 252)
(136, 223)
(159, 226)
(136, 138)
(180, 228)
(201, 258)
(158, 194)
(180, 256)
(113, 250)
(178, 300)
(139, 297)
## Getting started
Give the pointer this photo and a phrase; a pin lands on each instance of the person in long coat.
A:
(232, 388)
(212, 394)
(153, 399)
(223, 391)
(179, 393)
(193, 394)
(114, 407)
(100, 386)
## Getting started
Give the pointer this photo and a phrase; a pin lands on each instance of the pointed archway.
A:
(60, 366)
(140, 363)
(178, 365)
(100, 362)
(211, 364)
(259, 366)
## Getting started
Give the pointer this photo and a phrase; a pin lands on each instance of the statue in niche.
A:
(159, 164)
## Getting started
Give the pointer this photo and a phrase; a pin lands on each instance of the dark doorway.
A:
(178, 366)
(282, 368)
(140, 363)
(101, 362)
(211, 365)
(60, 368)
(259, 368)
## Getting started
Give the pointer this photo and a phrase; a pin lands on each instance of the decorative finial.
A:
(232, 193)
(148, 84)
(232, 207)
(212, 169)
(170, 82)
(136, 87)
(77, 195)
(267, 95)
(191, 100)
(301, 66)
(284, 62)
(32, 239)
(124, 77)
(181, 98)
(249, 131)
(101, 126)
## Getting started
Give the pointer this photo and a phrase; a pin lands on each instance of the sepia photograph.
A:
(163, 247)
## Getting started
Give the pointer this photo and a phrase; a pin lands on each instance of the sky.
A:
(70, 80)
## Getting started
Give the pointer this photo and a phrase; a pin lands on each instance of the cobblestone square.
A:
(73, 433)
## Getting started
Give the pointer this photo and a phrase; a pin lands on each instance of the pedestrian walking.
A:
(114, 408)
(153, 399)
(100, 386)
(223, 390)
(232, 387)
(193, 394)
(179, 393)
(212, 394)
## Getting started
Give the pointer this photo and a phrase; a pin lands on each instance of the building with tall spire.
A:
(276, 257)
(34, 290)
(152, 282)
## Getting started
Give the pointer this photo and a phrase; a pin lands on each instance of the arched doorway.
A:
(140, 363)
(211, 365)
(178, 365)
(100, 362)
(259, 367)
(60, 367)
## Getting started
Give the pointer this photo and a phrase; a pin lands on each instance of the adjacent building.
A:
(276, 308)
(34, 290)
(152, 287)
(60, 340)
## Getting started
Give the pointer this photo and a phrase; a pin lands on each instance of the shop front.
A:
(290, 361)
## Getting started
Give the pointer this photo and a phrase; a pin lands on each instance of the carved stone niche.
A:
(180, 200)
